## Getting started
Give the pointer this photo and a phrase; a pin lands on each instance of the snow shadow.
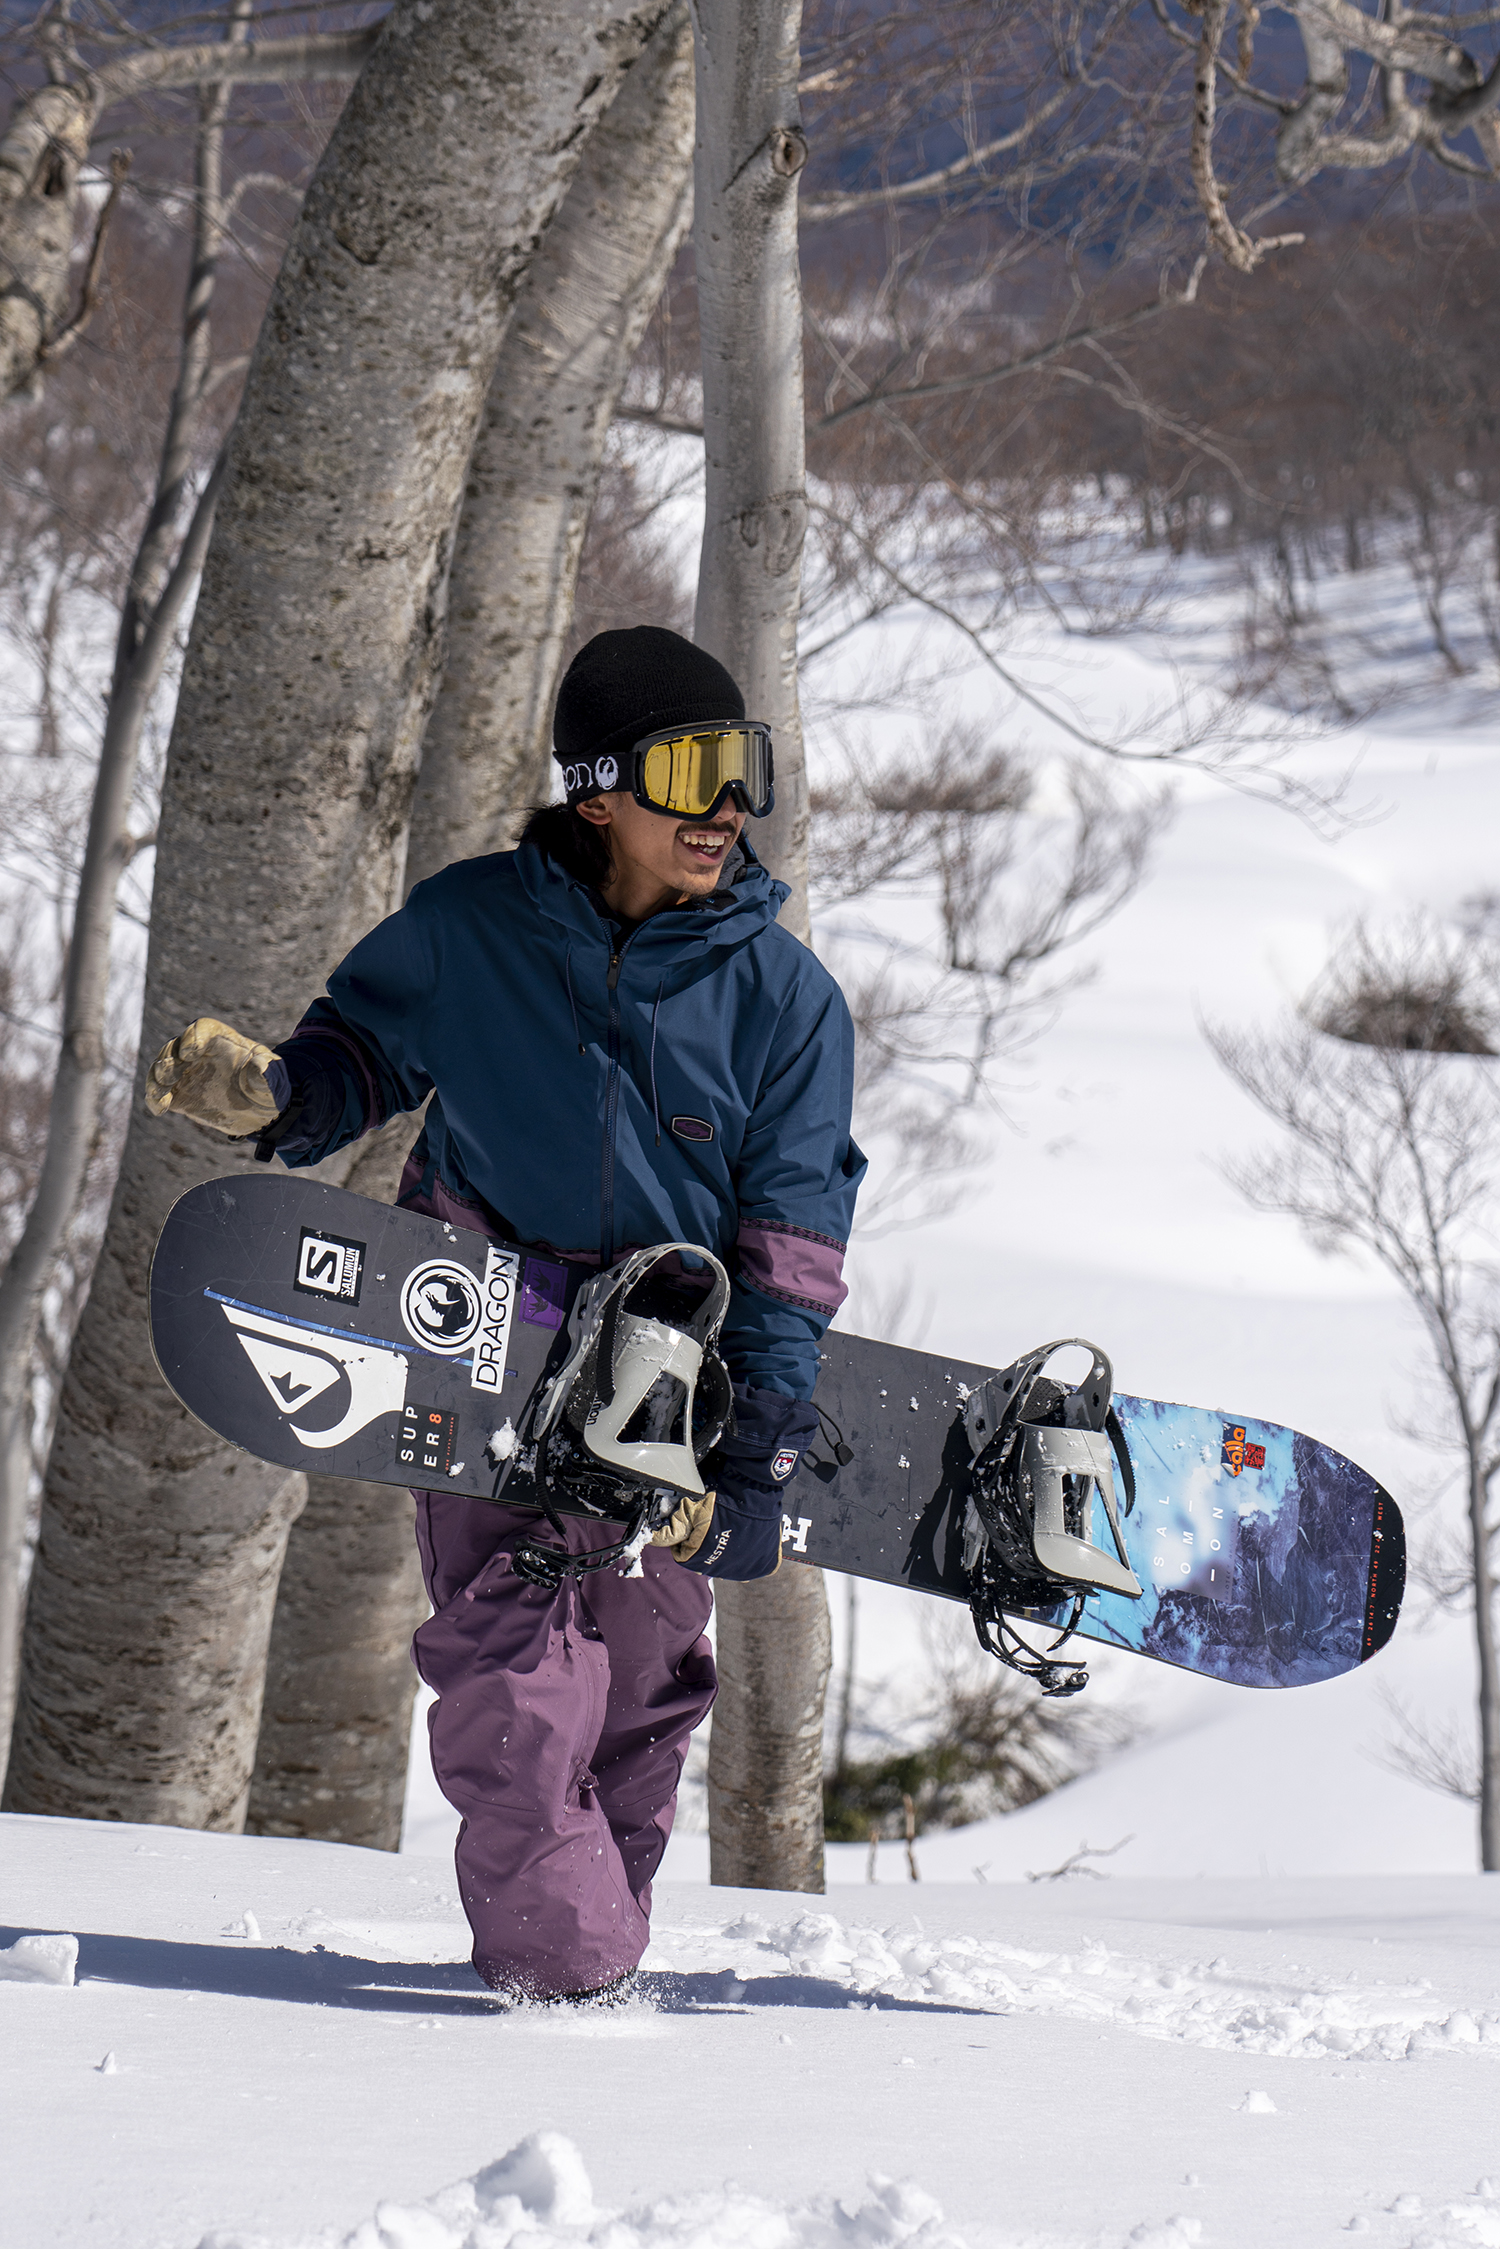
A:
(721, 1992)
(263, 1971)
(451, 1987)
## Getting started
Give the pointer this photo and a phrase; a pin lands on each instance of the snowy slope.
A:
(1158, 2062)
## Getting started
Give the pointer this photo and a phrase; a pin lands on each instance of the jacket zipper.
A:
(611, 1112)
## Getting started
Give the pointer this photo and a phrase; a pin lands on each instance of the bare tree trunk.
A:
(45, 142)
(536, 461)
(750, 149)
(765, 1762)
(765, 1765)
(335, 1723)
(283, 832)
(331, 1759)
(846, 1693)
(1489, 1666)
(165, 568)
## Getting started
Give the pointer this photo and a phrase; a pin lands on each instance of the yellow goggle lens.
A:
(689, 772)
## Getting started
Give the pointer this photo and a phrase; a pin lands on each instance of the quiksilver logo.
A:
(298, 1366)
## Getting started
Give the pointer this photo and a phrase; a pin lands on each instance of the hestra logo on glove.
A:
(784, 1463)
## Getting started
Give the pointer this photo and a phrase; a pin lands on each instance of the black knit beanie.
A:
(623, 685)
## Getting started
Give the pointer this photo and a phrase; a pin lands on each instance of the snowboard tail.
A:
(327, 1333)
(1266, 1558)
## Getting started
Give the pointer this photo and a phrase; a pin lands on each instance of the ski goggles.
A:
(688, 771)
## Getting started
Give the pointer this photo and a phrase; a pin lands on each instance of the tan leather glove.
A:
(689, 1527)
(213, 1075)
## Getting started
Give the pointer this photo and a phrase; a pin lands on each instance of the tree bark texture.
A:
(765, 1770)
(45, 142)
(1482, 1539)
(165, 569)
(766, 1755)
(535, 466)
(282, 838)
(750, 149)
(331, 1758)
(335, 1722)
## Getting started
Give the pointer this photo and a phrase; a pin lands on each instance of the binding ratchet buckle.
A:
(1044, 1458)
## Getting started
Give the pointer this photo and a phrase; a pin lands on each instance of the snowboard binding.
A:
(637, 1405)
(1044, 1451)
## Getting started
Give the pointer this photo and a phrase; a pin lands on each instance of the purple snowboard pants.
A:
(559, 1732)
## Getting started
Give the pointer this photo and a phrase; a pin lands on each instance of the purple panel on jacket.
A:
(793, 1263)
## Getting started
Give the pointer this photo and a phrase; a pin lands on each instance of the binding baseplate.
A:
(1044, 1454)
(638, 1403)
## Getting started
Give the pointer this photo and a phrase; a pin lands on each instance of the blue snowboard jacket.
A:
(691, 1082)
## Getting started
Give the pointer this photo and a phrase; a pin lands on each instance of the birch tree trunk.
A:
(45, 143)
(283, 832)
(335, 1725)
(165, 569)
(1482, 1538)
(331, 1759)
(535, 468)
(775, 1651)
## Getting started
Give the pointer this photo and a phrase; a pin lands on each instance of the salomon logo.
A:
(329, 1265)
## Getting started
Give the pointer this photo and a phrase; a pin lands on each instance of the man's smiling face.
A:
(659, 858)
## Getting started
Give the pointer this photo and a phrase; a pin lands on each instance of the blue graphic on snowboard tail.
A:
(1260, 1576)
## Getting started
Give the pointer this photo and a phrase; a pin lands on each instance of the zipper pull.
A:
(613, 978)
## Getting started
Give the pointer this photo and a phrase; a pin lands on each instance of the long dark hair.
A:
(575, 844)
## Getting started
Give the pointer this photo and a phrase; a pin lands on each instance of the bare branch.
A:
(953, 386)
(317, 54)
(816, 207)
(1235, 246)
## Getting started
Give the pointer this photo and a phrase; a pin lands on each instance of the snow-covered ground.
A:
(1270, 2014)
(277, 2044)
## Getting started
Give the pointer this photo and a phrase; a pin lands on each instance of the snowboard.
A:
(327, 1333)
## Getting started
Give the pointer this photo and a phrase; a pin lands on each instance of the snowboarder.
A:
(620, 1047)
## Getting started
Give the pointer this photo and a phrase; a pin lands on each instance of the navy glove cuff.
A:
(749, 1471)
(744, 1536)
(770, 1435)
